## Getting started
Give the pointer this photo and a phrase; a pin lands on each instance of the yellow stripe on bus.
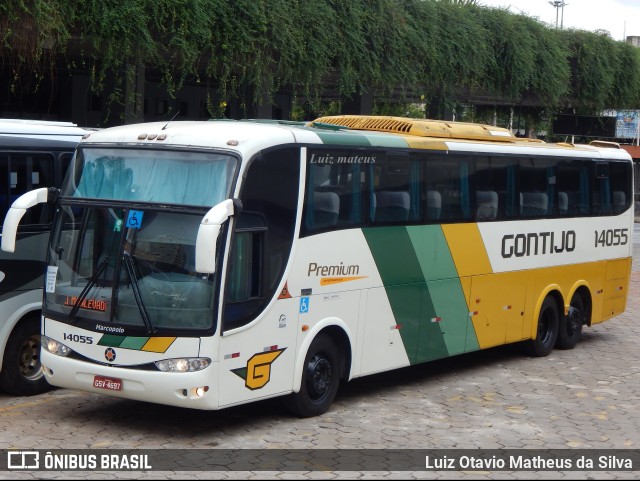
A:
(467, 249)
(158, 344)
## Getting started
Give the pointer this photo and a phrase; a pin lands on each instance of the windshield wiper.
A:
(128, 262)
(90, 283)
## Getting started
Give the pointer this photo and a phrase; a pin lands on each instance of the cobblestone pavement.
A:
(588, 398)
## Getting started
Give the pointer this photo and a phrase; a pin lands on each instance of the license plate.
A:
(108, 383)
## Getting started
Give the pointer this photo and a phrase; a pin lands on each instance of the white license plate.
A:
(108, 383)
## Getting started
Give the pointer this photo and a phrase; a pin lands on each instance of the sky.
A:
(621, 18)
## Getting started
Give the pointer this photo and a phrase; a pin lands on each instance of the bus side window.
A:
(447, 184)
(434, 205)
(569, 186)
(22, 172)
(263, 235)
(487, 205)
(337, 193)
(619, 173)
(391, 198)
(496, 185)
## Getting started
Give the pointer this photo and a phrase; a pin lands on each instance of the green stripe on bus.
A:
(134, 343)
(404, 282)
(450, 310)
(402, 278)
(343, 138)
(377, 140)
(111, 340)
(426, 296)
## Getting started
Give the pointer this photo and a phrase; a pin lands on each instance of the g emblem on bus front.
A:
(258, 371)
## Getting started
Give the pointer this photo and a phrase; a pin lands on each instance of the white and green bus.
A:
(209, 264)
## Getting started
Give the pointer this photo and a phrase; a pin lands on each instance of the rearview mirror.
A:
(15, 213)
(208, 233)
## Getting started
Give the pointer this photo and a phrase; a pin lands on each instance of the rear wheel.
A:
(22, 373)
(571, 324)
(548, 324)
(320, 379)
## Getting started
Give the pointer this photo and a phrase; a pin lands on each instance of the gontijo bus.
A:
(208, 264)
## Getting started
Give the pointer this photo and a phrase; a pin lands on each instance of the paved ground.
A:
(586, 398)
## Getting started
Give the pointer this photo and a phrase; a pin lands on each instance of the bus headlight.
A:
(55, 347)
(188, 364)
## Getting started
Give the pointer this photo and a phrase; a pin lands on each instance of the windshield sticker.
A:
(134, 219)
(52, 274)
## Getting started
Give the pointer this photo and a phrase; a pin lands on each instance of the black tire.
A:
(548, 324)
(571, 325)
(320, 379)
(22, 373)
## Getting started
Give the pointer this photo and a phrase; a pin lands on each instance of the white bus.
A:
(209, 264)
(33, 154)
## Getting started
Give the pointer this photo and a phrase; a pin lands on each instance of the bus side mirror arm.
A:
(208, 233)
(18, 209)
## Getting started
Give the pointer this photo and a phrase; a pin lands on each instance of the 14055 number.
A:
(611, 237)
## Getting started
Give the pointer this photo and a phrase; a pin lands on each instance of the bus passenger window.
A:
(448, 180)
(487, 205)
(337, 189)
(434, 204)
(392, 206)
(22, 173)
(533, 204)
(619, 173)
(326, 209)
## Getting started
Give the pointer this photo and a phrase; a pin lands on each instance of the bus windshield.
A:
(140, 257)
(167, 176)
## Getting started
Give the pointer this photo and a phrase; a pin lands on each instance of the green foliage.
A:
(32, 33)
(253, 49)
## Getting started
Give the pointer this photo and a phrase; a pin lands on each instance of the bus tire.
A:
(571, 325)
(320, 379)
(547, 333)
(22, 373)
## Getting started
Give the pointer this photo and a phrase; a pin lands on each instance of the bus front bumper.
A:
(196, 390)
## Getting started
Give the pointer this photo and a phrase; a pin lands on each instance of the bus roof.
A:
(249, 136)
(40, 129)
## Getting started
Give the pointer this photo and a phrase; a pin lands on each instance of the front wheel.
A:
(22, 373)
(548, 323)
(320, 379)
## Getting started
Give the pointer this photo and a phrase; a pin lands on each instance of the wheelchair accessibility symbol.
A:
(304, 305)
(134, 219)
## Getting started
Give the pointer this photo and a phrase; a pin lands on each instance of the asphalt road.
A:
(585, 400)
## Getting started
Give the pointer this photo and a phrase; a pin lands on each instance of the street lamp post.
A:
(558, 4)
